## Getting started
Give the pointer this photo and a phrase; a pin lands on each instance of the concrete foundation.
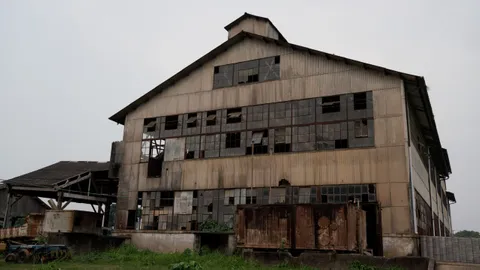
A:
(339, 261)
(397, 245)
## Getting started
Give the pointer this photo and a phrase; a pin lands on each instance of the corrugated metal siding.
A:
(451, 249)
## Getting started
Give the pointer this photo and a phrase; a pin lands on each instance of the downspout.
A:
(430, 192)
(413, 206)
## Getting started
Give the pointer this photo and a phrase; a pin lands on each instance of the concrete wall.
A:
(161, 242)
(397, 245)
(451, 249)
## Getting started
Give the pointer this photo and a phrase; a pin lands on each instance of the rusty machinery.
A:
(16, 252)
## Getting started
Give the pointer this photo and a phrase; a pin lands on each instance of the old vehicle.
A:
(37, 253)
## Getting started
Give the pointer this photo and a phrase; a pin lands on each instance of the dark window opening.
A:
(192, 120)
(361, 128)
(331, 104)
(201, 154)
(233, 140)
(277, 59)
(171, 122)
(77, 221)
(251, 200)
(190, 155)
(248, 75)
(166, 198)
(195, 194)
(257, 149)
(210, 207)
(156, 220)
(150, 128)
(359, 101)
(211, 118)
(234, 115)
(131, 218)
(216, 70)
(339, 144)
(231, 201)
(155, 158)
(258, 138)
(281, 148)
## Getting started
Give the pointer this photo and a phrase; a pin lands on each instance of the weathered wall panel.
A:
(351, 166)
(334, 78)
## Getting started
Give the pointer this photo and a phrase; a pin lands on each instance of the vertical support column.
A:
(106, 215)
(7, 210)
(59, 200)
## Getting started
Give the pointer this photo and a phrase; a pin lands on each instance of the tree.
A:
(469, 234)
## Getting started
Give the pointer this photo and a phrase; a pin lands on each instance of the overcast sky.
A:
(66, 66)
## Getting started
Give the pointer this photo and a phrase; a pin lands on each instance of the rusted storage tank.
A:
(301, 226)
(71, 221)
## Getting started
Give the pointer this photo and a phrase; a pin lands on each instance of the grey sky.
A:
(66, 66)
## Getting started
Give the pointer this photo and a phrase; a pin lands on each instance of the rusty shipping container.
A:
(301, 226)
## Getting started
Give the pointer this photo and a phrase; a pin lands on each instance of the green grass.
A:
(128, 257)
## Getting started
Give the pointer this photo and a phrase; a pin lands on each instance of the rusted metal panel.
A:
(267, 227)
(332, 231)
(304, 227)
(240, 227)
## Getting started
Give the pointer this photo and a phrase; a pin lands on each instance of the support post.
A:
(5, 218)
(59, 200)
(106, 215)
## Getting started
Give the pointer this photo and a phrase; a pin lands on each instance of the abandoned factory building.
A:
(261, 121)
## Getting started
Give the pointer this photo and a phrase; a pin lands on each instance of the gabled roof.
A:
(415, 89)
(251, 16)
(48, 176)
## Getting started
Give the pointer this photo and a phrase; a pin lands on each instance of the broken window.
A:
(360, 101)
(156, 157)
(277, 59)
(248, 75)
(233, 140)
(150, 128)
(171, 122)
(222, 76)
(192, 147)
(281, 141)
(145, 151)
(347, 193)
(234, 115)
(361, 128)
(259, 143)
(331, 104)
(229, 197)
(167, 198)
(211, 118)
(191, 120)
(269, 68)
